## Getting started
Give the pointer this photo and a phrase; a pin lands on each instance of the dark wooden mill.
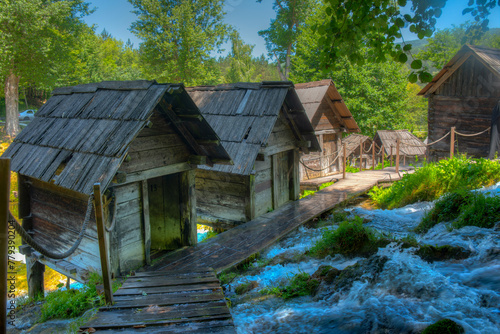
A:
(141, 141)
(262, 126)
(462, 95)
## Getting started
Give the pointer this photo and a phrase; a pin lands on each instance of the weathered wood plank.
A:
(167, 289)
(164, 300)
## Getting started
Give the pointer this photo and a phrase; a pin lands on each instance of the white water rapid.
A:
(405, 296)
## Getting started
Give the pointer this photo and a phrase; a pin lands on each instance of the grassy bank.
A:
(433, 180)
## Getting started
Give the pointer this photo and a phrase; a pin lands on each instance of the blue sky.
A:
(247, 16)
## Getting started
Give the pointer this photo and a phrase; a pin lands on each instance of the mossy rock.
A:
(440, 253)
(444, 326)
(245, 287)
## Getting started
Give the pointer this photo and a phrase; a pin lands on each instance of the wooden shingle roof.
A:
(410, 145)
(353, 142)
(322, 96)
(82, 134)
(244, 115)
(489, 57)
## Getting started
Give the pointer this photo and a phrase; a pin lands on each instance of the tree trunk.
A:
(287, 61)
(12, 104)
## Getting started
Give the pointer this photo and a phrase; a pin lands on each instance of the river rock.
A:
(440, 253)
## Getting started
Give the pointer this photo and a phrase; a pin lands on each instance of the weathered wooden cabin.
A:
(262, 126)
(357, 146)
(141, 141)
(463, 95)
(410, 148)
(330, 118)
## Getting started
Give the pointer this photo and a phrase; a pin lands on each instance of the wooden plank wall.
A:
(126, 241)
(154, 147)
(58, 215)
(465, 101)
(263, 186)
(221, 195)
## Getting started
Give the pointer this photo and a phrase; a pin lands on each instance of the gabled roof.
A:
(323, 96)
(244, 115)
(410, 145)
(82, 134)
(489, 57)
(353, 141)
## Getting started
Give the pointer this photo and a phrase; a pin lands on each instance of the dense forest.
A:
(46, 44)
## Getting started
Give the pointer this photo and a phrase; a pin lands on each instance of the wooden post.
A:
(294, 177)
(147, 224)
(337, 148)
(373, 155)
(397, 155)
(321, 156)
(391, 155)
(275, 177)
(4, 239)
(188, 207)
(103, 252)
(404, 159)
(344, 157)
(383, 155)
(452, 142)
(360, 155)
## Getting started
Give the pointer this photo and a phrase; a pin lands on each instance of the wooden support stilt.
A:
(391, 155)
(103, 252)
(34, 275)
(383, 155)
(361, 155)
(452, 142)
(4, 239)
(373, 155)
(397, 155)
(344, 157)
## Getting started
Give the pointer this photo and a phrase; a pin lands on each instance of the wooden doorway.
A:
(282, 165)
(165, 212)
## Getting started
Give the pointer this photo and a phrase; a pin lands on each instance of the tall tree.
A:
(34, 36)
(377, 93)
(241, 65)
(179, 37)
(282, 35)
(377, 24)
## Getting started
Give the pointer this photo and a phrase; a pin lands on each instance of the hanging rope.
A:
(437, 141)
(112, 226)
(320, 170)
(57, 256)
(472, 134)
(369, 149)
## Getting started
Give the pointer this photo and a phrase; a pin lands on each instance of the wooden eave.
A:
(458, 60)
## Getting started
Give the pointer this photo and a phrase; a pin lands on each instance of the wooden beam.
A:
(250, 198)
(4, 244)
(103, 252)
(275, 178)
(452, 142)
(197, 160)
(147, 225)
(295, 176)
(188, 208)
(181, 128)
(397, 154)
(155, 172)
(209, 142)
(338, 117)
(188, 118)
(304, 143)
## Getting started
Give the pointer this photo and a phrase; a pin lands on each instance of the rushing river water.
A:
(406, 295)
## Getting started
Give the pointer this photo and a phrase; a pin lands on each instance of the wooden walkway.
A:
(238, 244)
(180, 294)
(190, 301)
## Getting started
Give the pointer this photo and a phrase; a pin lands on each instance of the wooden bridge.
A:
(181, 293)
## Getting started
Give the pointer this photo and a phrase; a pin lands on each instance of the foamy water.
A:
(407, 295)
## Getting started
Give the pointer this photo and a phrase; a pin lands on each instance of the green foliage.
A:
(311, 192)
(301, 284)
(244, 287)
(208, 235)
(444, 326)
(350, 238)
(377, 24)
(178, 39)
(444, 44)
(435, 179)
(463, 208)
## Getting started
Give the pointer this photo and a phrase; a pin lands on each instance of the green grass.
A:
(435, 179)
(463, 208)
(301, 284)
(350, 238)
(311, 192)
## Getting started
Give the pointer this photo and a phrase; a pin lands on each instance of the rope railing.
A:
(472, 134)
(322, 169)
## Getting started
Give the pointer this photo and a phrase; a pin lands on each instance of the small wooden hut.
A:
(141, 141)
(262, 126)
(463, 95)
(356, 147)
(410, 148)
(330, 118)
